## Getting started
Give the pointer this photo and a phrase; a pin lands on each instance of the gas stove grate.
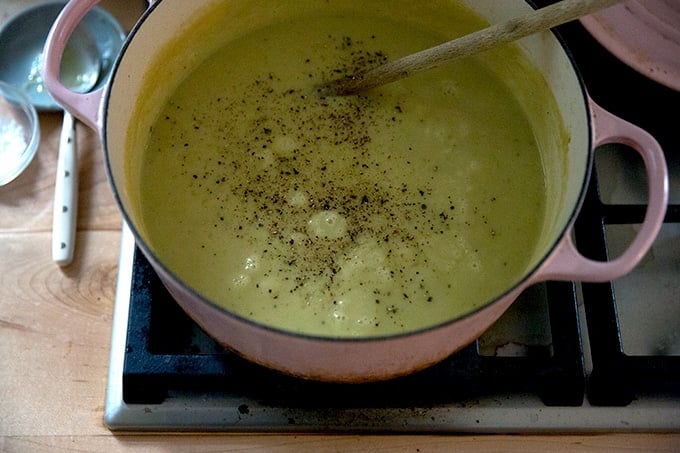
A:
(167, 352)
(616, 377)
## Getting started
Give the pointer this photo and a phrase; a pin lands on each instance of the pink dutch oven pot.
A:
(368, 359)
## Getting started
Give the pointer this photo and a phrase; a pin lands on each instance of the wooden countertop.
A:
(55, 327)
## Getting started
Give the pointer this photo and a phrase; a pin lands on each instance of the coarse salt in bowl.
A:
(19, 133)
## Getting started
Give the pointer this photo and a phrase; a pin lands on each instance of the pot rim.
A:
(531, 275)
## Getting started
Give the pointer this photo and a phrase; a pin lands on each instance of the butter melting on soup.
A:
(368, 215)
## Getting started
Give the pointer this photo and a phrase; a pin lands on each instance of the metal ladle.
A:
(87, 61)
(80, 72)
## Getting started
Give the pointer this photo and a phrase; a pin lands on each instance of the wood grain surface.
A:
(55, 327)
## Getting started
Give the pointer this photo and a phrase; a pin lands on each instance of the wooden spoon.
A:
(511, 30)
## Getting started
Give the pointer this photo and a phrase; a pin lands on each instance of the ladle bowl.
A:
(22, 39)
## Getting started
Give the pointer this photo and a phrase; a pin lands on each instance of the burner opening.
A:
(523, 330)
(649, 328)
(621, 175)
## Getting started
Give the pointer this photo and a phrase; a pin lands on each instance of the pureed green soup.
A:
(367, 215)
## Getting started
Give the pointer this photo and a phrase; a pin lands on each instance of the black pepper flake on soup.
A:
(282, 155)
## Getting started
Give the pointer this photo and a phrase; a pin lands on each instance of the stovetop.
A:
(565, 357)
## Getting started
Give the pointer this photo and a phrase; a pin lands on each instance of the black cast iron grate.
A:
(166, 352)
(617, 378)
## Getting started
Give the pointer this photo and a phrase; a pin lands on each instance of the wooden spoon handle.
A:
(511, 30)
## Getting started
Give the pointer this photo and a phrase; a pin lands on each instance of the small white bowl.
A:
(19, 133)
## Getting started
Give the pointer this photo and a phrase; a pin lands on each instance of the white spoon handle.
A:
(65, 195)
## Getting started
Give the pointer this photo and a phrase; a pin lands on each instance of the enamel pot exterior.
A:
(365, 359)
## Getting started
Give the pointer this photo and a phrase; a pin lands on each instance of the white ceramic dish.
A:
(19, 133)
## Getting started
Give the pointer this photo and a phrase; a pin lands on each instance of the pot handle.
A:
(566, 263)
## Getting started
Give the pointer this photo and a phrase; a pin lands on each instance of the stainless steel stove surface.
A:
(565, 357)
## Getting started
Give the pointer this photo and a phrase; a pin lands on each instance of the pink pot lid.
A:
(644, 34)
